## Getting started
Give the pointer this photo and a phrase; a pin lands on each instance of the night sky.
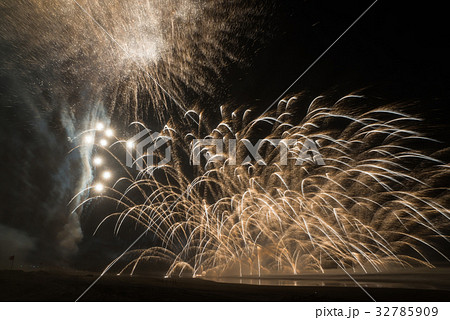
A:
(395, 53)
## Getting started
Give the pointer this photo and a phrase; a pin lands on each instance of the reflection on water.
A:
(424, 280)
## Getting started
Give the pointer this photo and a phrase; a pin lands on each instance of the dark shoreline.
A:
(58, 286)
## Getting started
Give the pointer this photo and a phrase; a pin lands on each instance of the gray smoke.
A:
(66, 65)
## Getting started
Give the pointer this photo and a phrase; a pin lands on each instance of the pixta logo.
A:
(148, 150)
(143, 150)
(213, 151)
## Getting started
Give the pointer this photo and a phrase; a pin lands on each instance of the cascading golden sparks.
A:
(374, 204)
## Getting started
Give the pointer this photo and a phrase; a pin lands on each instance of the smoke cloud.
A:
(68, 64)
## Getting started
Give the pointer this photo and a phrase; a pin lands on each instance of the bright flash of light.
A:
(106, 175)
(109, 132)
(99, 187)
(97, 161)
(89, 139)
(100, 126)
(130, 144)
(103, 142)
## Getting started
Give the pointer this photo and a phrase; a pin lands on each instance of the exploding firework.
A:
(368, 198)
(134, 56)
(67, 64)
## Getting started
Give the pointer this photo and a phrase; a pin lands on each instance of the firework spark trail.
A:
(150, 51)
(80, 62)
(375, 202)
(129, 55)
(370, 207)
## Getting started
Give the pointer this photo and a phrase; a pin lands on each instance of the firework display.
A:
(369, 199)
(296, 143)
(141, 55)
